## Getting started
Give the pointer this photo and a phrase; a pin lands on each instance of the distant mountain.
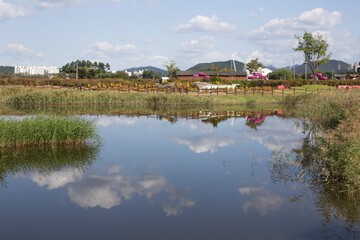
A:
(333, 65)
(271, 67)
(223, 64)
(7, 69)
(149, 68)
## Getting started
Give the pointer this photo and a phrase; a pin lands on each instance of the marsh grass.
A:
(337, 115)
(41, 130)
(59, 97)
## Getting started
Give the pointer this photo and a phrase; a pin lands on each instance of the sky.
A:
(135, 33)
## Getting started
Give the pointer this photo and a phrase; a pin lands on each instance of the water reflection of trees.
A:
(305, 166)
(45, 159)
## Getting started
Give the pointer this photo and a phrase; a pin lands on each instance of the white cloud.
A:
(94, 191)
(151, 2)
(198, 126)
(205, 24)
(109, 49)
(204, 144)
(114, 1)
(114, 188)
(202, 45)
(56, 179)
(51, 4)
(258, 13)
(20, 51)
(275, 134)
(106, 121)
(157, 60)
(201, 50)
(10, 11)
(250, 190)
(104, 51)
(153, 184)
(263, 202)
(276, 37)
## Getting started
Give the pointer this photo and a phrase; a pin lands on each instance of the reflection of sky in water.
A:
(159, 179)
(115, 187)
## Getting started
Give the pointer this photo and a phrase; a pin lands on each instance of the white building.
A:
(36, 70)
(356, 67)
(128, 73)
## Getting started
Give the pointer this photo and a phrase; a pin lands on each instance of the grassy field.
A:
(31, 96)
(37, 131)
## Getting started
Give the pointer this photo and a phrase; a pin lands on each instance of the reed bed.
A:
(337, 114)
(59, 97)
(41, 130)
(75, 97)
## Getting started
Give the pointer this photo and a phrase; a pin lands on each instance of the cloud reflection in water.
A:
(261, 200)
(112, 190)
(202, 144)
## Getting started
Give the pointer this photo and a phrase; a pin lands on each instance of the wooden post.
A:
(262, 91)
(253, 91)
(294, 91)
(244, 91)
(272, 92)
(283, 92)
(199, 91)
(305, 90)
(317, 90)
(235, 91)
(217, 91)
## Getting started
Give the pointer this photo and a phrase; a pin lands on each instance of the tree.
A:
(254, 65)
(150, 75)
(171, 68)
(88, 69)
(314, 48)
(284, 74)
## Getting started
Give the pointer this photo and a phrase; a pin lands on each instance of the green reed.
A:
(337, 115)
(43, 130)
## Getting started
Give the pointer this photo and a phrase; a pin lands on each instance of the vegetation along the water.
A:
(332, 147)
(46, 130)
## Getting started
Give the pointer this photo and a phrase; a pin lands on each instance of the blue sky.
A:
(133, 33)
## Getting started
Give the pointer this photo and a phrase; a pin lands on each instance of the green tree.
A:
(214, 68)
(150, 75)
(284, 74)
(254, 66)
(314, 47)
(172, 69)
(88, 68)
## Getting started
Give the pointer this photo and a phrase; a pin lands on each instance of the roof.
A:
(211, 73)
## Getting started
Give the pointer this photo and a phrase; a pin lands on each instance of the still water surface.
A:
(159, 179)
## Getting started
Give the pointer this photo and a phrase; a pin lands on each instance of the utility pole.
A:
(305, 70)
(77, 70)
(294, 67)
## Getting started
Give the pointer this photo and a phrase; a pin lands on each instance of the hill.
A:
(271, 67)
(149, 68)
(7, 69)
(333, 65)
(223, 64)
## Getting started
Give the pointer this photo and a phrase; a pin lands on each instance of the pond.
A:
(168, 177)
